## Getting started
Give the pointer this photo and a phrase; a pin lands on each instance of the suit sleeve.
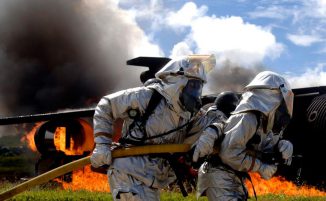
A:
(114, 106)
(239, 130)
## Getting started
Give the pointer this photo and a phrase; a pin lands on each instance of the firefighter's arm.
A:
(239, 130)
(110, 108)
(206, 141)
(103, 129)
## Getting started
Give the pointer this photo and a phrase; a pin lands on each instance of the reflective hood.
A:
(265, 93)
(273, 81)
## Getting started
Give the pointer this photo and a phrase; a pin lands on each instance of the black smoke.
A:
(232, 77)
(59, 54)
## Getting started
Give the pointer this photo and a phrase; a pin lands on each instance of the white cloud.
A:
(186, 15)
(272, 12)
(152, 13)
(321, 7)
(143, 47)
(306, 18)
(230, 37)
(312, 77)
(300, 10)
(234, 40)
(303, 40)
(181, 49)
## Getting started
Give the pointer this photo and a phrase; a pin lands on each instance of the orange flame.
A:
(61, 144)
(75, 144)
(86, 179)
(29, 137)
(278, 185)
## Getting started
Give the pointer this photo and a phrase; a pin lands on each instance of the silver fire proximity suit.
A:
(224, 104)
(140, 177)
(250, 131)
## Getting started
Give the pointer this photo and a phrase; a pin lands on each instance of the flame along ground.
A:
(86, 179)
(278, 185)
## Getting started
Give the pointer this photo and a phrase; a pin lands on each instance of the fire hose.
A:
(75, 165)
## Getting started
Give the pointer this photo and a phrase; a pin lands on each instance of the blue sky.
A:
(285, 36)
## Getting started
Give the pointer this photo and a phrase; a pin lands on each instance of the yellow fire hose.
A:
(75, 165)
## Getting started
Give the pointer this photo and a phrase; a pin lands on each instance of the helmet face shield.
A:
(281, 118)
(190, 95)
(204, 63)
(194, 88)
(288, 97)
(192, 66)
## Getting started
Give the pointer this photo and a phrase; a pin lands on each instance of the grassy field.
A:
(53, 193)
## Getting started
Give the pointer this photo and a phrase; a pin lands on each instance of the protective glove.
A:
(267, 171)
(101, 155)
(205, 144)
(286, 148)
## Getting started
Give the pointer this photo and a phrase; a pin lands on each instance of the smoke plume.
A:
(59, 54)
(232, 77)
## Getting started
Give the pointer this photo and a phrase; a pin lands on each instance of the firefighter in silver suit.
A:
(180, 84)
(224, 104)
(253, 130)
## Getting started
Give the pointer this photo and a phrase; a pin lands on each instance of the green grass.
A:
(54, 195)
(52, 192)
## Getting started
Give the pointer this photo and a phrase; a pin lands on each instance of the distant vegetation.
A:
(16, 163)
